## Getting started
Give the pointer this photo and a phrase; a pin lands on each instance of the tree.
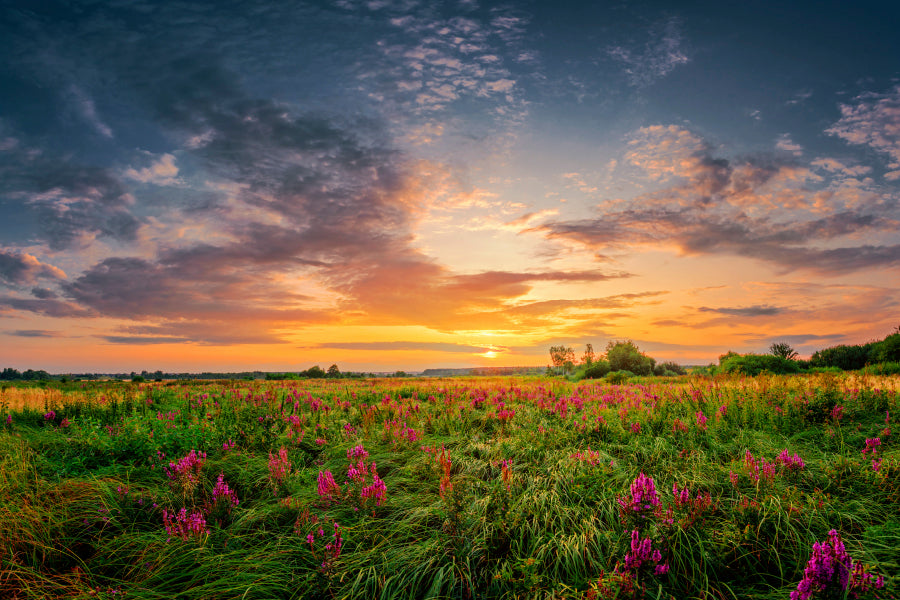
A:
(333, 372)
(783, 350)
(10, 374)
(563, 358)
(314, 372)
(888, 349)
(588, 357)
(625, 356)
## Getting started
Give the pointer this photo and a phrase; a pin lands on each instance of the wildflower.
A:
(185, 526)
(871, 446)
(641, 553)
(644, 496)
(635, 427)
(9, 419)
(222, 492)
(279, 467)
(830, 568)
(328, 488)
(185, 473)
(837, 413)
(356, 453)
(49, 416)
(701, 420)
(376, 490)
(792, 463)
(226, 446)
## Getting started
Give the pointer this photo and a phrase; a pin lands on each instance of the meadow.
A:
(688, 487)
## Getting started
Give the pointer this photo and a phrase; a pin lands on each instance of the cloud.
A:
(759, 207)
(73, 203)
(874, 121)
(88, 110)
(746, 311)
(656, 58)
(18, 268)
(162, 172)
(832, 165)
(786, 144)
(45, 307)
(429, 64)
(406, 346)
(36, 333)
(132, 340)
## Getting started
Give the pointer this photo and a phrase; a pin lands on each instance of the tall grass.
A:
(531, 504)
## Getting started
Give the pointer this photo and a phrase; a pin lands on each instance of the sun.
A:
(489, 354)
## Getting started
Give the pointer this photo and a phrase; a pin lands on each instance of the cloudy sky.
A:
(402, 184)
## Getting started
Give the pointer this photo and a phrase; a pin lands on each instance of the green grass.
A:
(82, 494)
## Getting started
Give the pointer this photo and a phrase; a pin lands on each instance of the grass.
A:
(530, 508)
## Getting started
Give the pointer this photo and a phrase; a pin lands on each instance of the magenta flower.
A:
(222, 492)
(644, 496)
(328, 488)
(830, 569)
(642, 553)
(185, 526)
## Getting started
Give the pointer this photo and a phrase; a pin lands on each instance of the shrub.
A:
(618, 376)
(888, 349)
(754, 364)
(596, 370)
(848, 358)
(669, 368)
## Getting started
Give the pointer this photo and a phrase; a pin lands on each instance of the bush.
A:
(887, 350)
(618, 376)
(669, 368)
(754, 364)
(596, 370)
(847, 358)
(885, 368)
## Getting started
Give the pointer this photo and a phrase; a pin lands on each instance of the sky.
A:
(405, 184)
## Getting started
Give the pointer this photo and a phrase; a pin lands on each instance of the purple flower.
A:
(830, 568)
(643, 495)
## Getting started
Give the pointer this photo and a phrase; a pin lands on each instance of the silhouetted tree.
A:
(783, 350)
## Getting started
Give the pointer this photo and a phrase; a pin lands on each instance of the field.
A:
(450, 488)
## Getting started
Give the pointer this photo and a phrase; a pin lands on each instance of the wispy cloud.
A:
(873, 120)
(744, 311)
(88, 110)
(655, 58)
(403, 346)
(36, 333)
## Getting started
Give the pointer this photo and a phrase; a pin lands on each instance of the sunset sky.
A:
(403, 184)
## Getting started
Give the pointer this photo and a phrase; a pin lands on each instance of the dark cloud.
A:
(43, 293)
(70, 201)
(36, 333)
(21, 268)
(745, 311)
(757, 208)
(142, 340)
(406, 346)
(46, 307)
